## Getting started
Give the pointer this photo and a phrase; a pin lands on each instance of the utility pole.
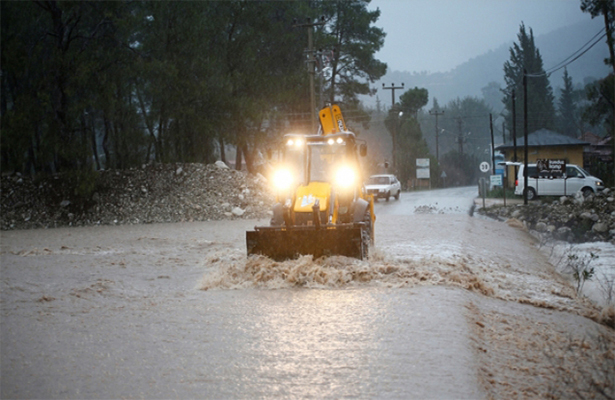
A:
(525, 169)
(460, 139)
(504, 131)
(492, 144)
(394, 136)
(392, 89)
(311, 63)
(514, 128)
(436, 113)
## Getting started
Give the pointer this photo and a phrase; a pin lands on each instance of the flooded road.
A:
(177, 311)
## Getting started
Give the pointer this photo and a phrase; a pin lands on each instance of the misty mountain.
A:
(470, 77)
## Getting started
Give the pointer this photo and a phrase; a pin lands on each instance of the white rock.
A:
(541, 227)
(600, 227)
(238, 211)
(221, 165)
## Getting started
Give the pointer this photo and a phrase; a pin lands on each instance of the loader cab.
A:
(315, 158)
(319, 168)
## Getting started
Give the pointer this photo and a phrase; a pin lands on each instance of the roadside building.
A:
(543, 144)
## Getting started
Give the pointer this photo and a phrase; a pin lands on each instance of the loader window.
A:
(293, 160)
(323, 160)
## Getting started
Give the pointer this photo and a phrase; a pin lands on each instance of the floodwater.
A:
(178, 311)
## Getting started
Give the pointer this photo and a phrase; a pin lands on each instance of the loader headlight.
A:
(345, 177)
(282, 179)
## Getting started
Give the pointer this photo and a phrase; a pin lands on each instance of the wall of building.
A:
(572, 155)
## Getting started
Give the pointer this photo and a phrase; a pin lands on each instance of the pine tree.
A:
(567, 109)
(525, 56)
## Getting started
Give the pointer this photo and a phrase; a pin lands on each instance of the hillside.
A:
(470, 77)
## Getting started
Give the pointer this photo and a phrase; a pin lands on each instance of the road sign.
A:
(422, 173)
(422, 168)
(422, 162)
(496, 180)
(484, 166)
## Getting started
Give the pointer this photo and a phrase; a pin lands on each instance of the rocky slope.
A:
(573, 219)
(153, 193)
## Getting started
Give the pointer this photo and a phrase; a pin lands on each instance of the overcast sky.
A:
(438, 35)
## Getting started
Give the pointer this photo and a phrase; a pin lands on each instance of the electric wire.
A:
(557, 67)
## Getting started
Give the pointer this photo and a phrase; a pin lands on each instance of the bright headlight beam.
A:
(345, 177)
(282, 179)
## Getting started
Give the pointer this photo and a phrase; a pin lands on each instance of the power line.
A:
(573, 54)
(557, 67)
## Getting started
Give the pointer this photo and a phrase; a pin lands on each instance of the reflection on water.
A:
(356, 343)
(312, 344)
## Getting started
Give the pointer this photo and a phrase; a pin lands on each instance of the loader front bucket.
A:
(281, 243)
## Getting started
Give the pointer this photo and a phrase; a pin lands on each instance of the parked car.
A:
(383, 186)
(575, 179)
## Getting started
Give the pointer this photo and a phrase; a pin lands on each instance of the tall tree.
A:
(567, 109)
(602, 94)
(408, 141)
(165, 80)
(524, 55)
(353, 40)
(606, 8)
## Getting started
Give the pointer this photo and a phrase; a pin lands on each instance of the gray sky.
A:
(438, 35)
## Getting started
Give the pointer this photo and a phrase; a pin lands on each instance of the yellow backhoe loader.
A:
(321, 208)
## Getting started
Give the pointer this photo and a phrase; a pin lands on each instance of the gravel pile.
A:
(151, 194)
(573, 219)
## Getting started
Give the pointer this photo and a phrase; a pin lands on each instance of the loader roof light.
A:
(345, 177)
(282, 179)
(330, 142)
(340, 140)
(294, 142)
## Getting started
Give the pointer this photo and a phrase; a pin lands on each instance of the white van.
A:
(575, 179)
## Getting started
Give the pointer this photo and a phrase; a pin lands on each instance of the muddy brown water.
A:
(178, 311)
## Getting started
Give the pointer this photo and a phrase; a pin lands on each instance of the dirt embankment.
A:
(153, 193)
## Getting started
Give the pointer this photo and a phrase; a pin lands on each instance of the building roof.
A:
(543, 137)
(591, 138)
